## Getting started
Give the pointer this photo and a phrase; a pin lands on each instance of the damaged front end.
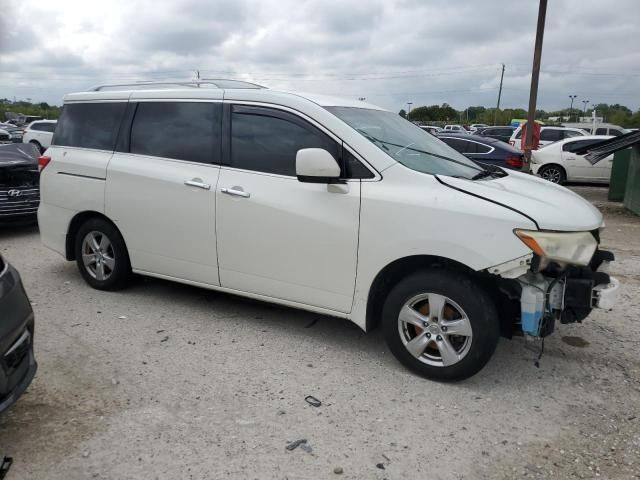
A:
(562, 280)
(19, 183)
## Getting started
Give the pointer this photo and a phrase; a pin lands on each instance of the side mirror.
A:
(316, 165)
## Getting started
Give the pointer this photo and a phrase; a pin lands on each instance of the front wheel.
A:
(441, 324)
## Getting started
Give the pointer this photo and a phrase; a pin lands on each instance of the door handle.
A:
(196, 183)
(237, 193)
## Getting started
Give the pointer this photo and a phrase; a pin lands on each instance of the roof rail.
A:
(215, 82)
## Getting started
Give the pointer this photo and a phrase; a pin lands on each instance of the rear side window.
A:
(456, 143)
(267, 140)
(179, 130)
(601, 131)
(89, 125)
(578, 144)
(551, 135)
(614, 132)
(47, 127)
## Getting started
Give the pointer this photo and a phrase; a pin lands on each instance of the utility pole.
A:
(409, 111)
(572, 97)
(535, 74)
(495, 115)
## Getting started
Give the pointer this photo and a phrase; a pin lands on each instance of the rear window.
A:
(89, 125)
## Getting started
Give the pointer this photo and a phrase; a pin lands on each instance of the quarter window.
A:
(89, 125)
(179, 130)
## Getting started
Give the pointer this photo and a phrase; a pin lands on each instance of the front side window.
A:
(179, 130)
(406, 143)
(601, 131)
(267, 140)
(89, 125)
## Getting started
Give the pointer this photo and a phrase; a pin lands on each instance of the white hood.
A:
(552, 206)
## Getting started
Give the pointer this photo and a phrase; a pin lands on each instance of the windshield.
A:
(407, 143)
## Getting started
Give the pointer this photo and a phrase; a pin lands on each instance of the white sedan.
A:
(558, 162)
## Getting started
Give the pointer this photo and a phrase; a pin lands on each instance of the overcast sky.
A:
(389, 51)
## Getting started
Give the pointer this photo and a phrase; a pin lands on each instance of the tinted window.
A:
(478, 148)
(353, 167)
(551, 135)
(265, 140)
(578, 144)
(47, 127)
(614, 132)
(460, 145)
(504, 131)
(181, 130)
(89, 125)
(601, 131)
(519, 134)
(571, 133)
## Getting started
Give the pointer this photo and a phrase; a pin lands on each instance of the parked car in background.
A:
(499, 133)
(484, 149)
(279, 197)
(558, 162)
(39, 133)
(455, 128)
(19, 183)
(5, 136)
(547, 135)
(599, 128)
(14, 131)
(474, 127)
(17, 362)
(431, 129)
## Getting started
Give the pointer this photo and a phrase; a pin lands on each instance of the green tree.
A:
(402, 113)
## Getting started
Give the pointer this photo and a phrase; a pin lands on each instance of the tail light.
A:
(514, 162)
(43, 161)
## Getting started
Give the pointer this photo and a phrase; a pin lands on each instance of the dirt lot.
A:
(168, 381)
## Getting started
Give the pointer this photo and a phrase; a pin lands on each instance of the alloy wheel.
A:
(435, 329)
(98, 255)
(553, 175)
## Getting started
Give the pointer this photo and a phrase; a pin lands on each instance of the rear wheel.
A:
(553, 174)
(37, 145)
(102, 256)
(441, 324)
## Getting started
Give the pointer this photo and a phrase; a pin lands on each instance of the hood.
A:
(19, 155)
(551, 206)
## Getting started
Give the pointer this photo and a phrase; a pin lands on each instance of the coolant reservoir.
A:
(532, 307)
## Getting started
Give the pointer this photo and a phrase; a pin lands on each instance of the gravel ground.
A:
(169, 381)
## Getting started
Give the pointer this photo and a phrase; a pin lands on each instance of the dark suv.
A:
(17, 362)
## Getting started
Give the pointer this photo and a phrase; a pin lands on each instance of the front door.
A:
(161, 191)
(277, 236)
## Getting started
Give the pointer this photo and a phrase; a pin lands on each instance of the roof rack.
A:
(214, 82)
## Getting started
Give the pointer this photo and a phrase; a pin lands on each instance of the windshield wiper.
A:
(483, 174)
(373, 139)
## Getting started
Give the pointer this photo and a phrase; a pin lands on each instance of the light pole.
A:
(584, 110)
(572, 97)
(409, 110)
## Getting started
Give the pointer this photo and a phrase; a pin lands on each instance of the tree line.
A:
(615, 113)
(42, 109)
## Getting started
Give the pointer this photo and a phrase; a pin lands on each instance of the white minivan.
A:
(319, 203)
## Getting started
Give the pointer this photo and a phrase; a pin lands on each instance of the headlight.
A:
(575, 248)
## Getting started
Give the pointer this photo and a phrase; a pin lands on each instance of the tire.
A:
(111, 269)
(38, 146)
(553, 174)
(460, 298)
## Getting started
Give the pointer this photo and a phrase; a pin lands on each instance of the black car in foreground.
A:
(485, 150)
(17, 362)
(19, 183)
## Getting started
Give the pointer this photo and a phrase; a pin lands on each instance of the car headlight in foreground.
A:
(575, 248)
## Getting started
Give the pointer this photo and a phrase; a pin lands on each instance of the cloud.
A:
(389, 51)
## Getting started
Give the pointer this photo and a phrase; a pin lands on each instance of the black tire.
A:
(553, 174)
(120, 275)
(475, 302)
(38, 146)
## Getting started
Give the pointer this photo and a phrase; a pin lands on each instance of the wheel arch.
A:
(74, 226)
(392, 273)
